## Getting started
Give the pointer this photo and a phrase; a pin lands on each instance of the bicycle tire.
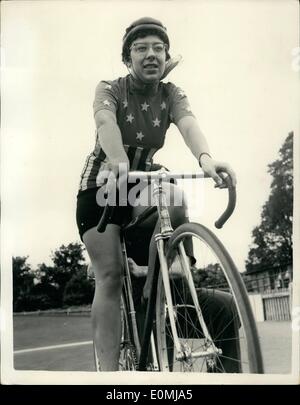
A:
(245, 353)
(127, 358)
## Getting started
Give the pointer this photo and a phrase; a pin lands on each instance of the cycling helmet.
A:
(144, 25)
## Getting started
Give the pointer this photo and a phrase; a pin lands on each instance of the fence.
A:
(273, 305)
(267, 281)
(270, 295)
(277, 305)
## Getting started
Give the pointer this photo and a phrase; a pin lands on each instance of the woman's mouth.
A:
(150, 66)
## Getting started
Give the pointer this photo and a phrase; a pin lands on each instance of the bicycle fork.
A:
(184, 353)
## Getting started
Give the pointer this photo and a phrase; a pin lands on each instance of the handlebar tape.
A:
(230, 206)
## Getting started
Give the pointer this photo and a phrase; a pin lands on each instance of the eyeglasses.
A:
(142, 48)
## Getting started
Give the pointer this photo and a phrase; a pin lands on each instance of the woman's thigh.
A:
(138, 239)
(105, 251)
(174, 198)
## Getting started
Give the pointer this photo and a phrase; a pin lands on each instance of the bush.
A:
(79, 290)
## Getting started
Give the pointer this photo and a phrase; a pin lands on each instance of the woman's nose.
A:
(150, 52)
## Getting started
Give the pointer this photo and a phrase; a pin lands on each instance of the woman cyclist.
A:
(132, 115)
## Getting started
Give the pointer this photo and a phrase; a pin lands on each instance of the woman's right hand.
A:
(118, 172)
(110, 179)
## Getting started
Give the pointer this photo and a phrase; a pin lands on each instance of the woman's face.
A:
(148, 58)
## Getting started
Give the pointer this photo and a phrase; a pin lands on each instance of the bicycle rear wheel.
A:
(216, 329)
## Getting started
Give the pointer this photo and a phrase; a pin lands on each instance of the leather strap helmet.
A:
(142, 26)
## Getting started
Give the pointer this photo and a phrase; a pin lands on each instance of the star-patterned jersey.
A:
(143, 121)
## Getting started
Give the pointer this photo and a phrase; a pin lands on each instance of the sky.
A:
(236, 71)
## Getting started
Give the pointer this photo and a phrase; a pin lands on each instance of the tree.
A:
(45, 292)
(79, 289)
(272, 239)
(211, 276)
(62, 283)
(23, 281)
(68, 261)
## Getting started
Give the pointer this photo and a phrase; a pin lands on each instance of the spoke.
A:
(201, 335)
(228, 339)
(233, 359)
(220, 314)
(187, 311)
(226, 326)
(215, 315)
(222, 370)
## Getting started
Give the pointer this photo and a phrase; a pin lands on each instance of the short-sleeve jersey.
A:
(143, 119)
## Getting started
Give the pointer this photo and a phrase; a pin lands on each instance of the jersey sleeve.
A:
(179, 104)
(106, 97)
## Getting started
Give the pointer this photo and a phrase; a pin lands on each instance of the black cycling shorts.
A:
(88, 212)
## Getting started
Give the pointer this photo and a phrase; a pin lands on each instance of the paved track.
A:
(63, 343)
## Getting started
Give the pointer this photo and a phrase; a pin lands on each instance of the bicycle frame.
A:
(161, 264)
(127, 287)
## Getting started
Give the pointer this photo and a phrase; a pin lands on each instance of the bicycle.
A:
(193, 323)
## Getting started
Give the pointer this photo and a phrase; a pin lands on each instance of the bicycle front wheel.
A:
(215, 330)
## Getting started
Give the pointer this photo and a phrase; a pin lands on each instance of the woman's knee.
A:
(108, 273)
(106, 256)
(175, 200)
(175, 195)
(220, 304)
(178, 216)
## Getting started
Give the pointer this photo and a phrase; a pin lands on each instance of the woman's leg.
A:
(139, 241)
(105, 253)
(221, 316)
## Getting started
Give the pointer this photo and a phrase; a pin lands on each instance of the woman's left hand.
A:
(214, 169)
